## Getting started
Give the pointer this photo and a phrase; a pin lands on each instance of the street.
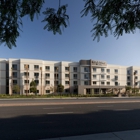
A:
(33, 119)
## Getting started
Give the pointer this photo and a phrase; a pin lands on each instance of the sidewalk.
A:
(123, 135)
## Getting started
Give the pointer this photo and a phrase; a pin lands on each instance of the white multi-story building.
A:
(85, 76)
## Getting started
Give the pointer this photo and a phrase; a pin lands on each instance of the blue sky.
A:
(75, 43)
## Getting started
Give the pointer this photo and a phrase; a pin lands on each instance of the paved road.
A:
(66, 118)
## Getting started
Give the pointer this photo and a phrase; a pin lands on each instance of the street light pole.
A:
(11, 80)
(41, 79)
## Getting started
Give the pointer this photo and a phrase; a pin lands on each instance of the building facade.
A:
(83, 77)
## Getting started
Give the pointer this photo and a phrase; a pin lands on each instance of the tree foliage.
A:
(33, 87)
(16, 88)
(60, 88)
(114, 16)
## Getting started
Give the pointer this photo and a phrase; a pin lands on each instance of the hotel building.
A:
(83, 77)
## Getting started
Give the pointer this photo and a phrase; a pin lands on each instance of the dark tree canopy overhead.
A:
(115, 16)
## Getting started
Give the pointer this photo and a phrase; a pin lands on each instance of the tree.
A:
(114, 16)
(33, 87)
(60, 88)
(16, 89)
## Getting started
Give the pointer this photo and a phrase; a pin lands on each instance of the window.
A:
(85, 82)
(26, 66)
(14, 82)
(14, 67)
(108, 83)
(47, 82)
(116, 83)
(94, 76)
(102, 76)
(102, 70)
(108, 76)
(36, 67)
(67, 90)
(136, 83)
(56, 69)
(26, 91)
(128, 77)
(75, 76)
(128, 72)
(37, 82)
(66, 75)
(47, 91)
(86, 69)
(116, 71)
(47, 75)
(37, 91)
(26, 81)
(116, 77)
(36, 74)
(102, 83)
(56, 82)
(26, 73)
(56, 76)
(86, 76)
(94, 82)
(75, 69)
(66, 68)
(47, 68)
(108, 70)
(94, 69)
(66, 82)
(136, 77)
(75, 83)
(14, 74)
(128, 83)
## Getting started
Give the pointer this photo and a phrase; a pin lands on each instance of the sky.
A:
(75, 43)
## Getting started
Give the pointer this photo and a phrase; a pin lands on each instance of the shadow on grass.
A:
(33, 127)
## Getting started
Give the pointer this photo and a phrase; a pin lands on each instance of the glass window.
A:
(102, 76)
(37, 82)
(116, 83)
(36, 74)
(94, 76)
(66, 75)
(26, 66)
(116, 71)
(108, 83)
(85, 82)
(102, 83)
(66, 82)
(75, 76)
(94, 82)
(36, 67)
(116, 77)
(102, 70)
(47, 91)
(56, 69)
(128, 77)
(14, 82)
(26, 73)
(47, 68)
(14, 74)
(108, 76)
(47, 82)
(128, 83)
(47, 75)
(108, 70)
(94, 69)
(86, 69)
(26, 81)
(14, 66)
(66, 68)
(75, 69)
(74, 82)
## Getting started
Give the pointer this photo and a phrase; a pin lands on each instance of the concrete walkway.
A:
(123, 135)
